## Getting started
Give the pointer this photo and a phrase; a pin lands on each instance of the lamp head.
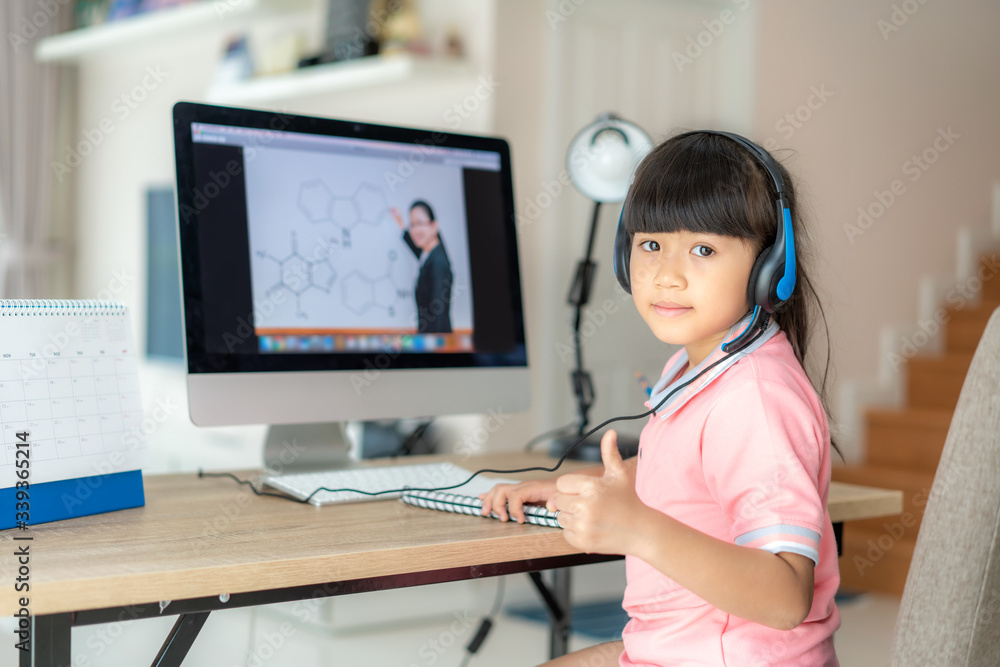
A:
(603, 156)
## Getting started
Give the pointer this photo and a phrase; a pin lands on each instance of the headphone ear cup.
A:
(623, 253)
(759, 284)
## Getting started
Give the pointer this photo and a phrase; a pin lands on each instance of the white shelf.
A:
(334, 77)
(175, 21)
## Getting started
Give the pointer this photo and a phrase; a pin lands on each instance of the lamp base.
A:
(590, 448)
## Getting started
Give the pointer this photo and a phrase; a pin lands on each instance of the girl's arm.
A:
(604, 515)
(771, 589)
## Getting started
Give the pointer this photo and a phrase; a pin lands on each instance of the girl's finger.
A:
(515, 508)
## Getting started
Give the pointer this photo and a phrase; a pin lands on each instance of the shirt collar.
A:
(675, 402)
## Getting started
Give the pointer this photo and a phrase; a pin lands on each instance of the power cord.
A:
(548, 434)
(652, 411)
(406, 447)
(485, 626)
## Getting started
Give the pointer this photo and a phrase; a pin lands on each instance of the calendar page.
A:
(69, 380)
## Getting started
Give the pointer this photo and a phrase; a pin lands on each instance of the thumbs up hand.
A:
(600, 514)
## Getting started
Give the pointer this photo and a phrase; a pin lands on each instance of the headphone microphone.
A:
(772, 278)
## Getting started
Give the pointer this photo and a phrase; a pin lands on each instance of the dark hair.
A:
(427, 207)
(704, 182)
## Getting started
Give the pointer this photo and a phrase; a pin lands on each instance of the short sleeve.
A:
(763, 448)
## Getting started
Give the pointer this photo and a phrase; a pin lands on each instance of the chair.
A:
(950, 611)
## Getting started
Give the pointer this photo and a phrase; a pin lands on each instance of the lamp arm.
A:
(579, 295)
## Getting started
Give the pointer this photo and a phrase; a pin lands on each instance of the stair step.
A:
(936, 382)
(911, 438)
(876, 560)
(964, 326)
(904, 446)
(990, 272)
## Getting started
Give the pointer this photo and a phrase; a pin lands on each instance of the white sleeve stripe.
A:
(793, 547)
(778, 528)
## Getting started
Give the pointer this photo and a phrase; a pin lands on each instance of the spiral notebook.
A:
(71, 428)
(473, 506)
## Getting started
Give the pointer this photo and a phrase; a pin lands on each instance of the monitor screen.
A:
(351, 250)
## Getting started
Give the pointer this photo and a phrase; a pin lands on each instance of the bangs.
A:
(701, 184)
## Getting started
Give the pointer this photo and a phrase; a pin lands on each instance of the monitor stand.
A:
(295, 448)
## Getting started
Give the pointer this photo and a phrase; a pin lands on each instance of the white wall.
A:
(560, 63)
(134, 151)
(888, 97)
(573, 61)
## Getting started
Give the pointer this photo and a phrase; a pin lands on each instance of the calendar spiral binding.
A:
(32, 307)
(461, 504)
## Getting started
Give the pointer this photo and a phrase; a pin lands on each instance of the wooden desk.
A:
(849, 502)
(207, 543)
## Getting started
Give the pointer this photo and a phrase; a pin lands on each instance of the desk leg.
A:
(51, 639)
(559, 639)
(557, 599)
(178, 642)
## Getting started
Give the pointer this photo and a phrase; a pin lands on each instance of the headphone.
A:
(772, 278)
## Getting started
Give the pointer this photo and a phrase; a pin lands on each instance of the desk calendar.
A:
(70, 410)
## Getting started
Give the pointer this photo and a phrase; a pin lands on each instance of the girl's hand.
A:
(397, 216)
(600, 514)
(507, 500)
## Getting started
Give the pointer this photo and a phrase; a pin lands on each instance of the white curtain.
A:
(28, 117)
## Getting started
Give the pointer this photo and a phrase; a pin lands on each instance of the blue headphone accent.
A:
(772, 279)
(787, 283)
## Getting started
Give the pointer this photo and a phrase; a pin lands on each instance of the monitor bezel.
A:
(200, 360)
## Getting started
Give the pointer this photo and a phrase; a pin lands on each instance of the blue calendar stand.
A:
(69, 393)
(71, 498)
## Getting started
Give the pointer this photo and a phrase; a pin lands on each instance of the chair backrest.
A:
(950, 612)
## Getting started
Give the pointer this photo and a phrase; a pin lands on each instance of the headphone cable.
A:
(652, 411)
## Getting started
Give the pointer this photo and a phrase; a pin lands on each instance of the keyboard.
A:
(377, 478)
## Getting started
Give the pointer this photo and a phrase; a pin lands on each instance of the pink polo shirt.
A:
(746, 459)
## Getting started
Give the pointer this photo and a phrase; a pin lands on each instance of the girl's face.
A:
(690, 287)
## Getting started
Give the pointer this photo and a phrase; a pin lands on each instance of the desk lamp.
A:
(601, 160)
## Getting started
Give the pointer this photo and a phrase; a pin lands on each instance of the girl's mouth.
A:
(669, 309)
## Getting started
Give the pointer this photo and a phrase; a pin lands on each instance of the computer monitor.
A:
(334, 270)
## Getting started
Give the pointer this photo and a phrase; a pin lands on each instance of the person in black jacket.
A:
(433, 288)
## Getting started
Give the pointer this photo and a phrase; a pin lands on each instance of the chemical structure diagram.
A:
(361, 292)
(297, 274)
(366, 206)
(300, 273)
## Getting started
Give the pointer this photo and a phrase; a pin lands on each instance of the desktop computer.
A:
(334, 270)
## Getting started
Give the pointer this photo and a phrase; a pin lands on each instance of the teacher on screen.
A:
(433, 288)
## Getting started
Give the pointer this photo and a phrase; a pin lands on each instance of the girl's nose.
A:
(669, 272)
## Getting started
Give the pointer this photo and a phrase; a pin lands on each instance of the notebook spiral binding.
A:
(453, 502)
(33, 307)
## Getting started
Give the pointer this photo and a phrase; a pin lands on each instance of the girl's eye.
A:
(650, 245)
(703, 251)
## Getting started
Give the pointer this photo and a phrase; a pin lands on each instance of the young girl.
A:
(729, 551)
